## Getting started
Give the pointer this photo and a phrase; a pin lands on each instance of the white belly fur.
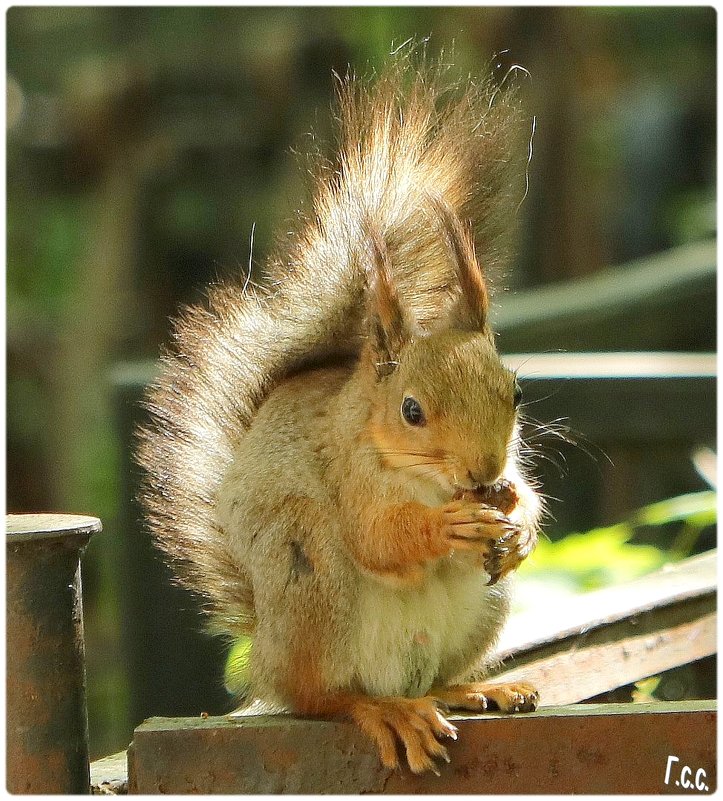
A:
(408, 634)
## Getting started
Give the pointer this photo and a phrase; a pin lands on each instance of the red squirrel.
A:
(331, 460)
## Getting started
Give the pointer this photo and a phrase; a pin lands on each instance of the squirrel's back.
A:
(409, 135)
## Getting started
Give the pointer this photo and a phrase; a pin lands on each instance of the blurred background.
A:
(143, 145)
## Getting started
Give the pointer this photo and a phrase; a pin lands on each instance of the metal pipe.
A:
(46, 711)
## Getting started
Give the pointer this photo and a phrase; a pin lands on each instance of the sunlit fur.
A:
(466, 396)
(294, 497)
(411, 131)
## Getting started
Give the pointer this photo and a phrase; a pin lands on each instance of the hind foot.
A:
(480, 697)
(415, 722)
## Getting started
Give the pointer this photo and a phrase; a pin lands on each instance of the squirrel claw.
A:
(480, 696)
(415, 723)
(507, 552)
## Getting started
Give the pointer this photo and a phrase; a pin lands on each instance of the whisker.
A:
(414, 464)
(546, 457)
(533, 421)
(535, 432)
(527, 403)
(398, 452)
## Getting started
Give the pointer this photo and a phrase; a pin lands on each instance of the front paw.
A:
(508, 552)
(471, 526)
(503, 495)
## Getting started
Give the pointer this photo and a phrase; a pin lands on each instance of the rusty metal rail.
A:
(601, 749)
(46, 717)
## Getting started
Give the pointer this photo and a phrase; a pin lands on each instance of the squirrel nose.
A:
(486, 472)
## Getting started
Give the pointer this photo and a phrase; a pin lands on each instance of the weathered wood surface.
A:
(618, 308)
(630, 397)
(690, 578)
(606, 748)
(602, 640)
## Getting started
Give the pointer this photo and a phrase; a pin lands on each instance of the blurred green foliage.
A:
(237, 666)
(609, 555)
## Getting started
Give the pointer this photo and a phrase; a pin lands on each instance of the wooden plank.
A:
(618, 308)
(613, 656)
(690, 578)
(630, 364)
(586, 364)
(601, 640)
(660, 276)
(655, 390)
(606, 748)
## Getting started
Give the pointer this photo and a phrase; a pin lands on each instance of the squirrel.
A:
(332, 460)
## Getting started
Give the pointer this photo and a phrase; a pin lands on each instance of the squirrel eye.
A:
(412, 412)
(517, 395)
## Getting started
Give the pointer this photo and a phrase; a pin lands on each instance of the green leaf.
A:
(594, 559)
(699, 508)
(645, 689)
(605, 556)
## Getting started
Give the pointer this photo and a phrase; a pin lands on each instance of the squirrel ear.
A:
(470, 311)
(389, 325)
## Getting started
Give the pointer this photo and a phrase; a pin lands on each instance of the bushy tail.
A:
(408, 135)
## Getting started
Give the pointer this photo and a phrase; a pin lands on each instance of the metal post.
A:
(47, 721)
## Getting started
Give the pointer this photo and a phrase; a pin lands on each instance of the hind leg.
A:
(292, 664)
(413, 723)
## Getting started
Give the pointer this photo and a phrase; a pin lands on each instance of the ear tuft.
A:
(389, 325)
(471, 310)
